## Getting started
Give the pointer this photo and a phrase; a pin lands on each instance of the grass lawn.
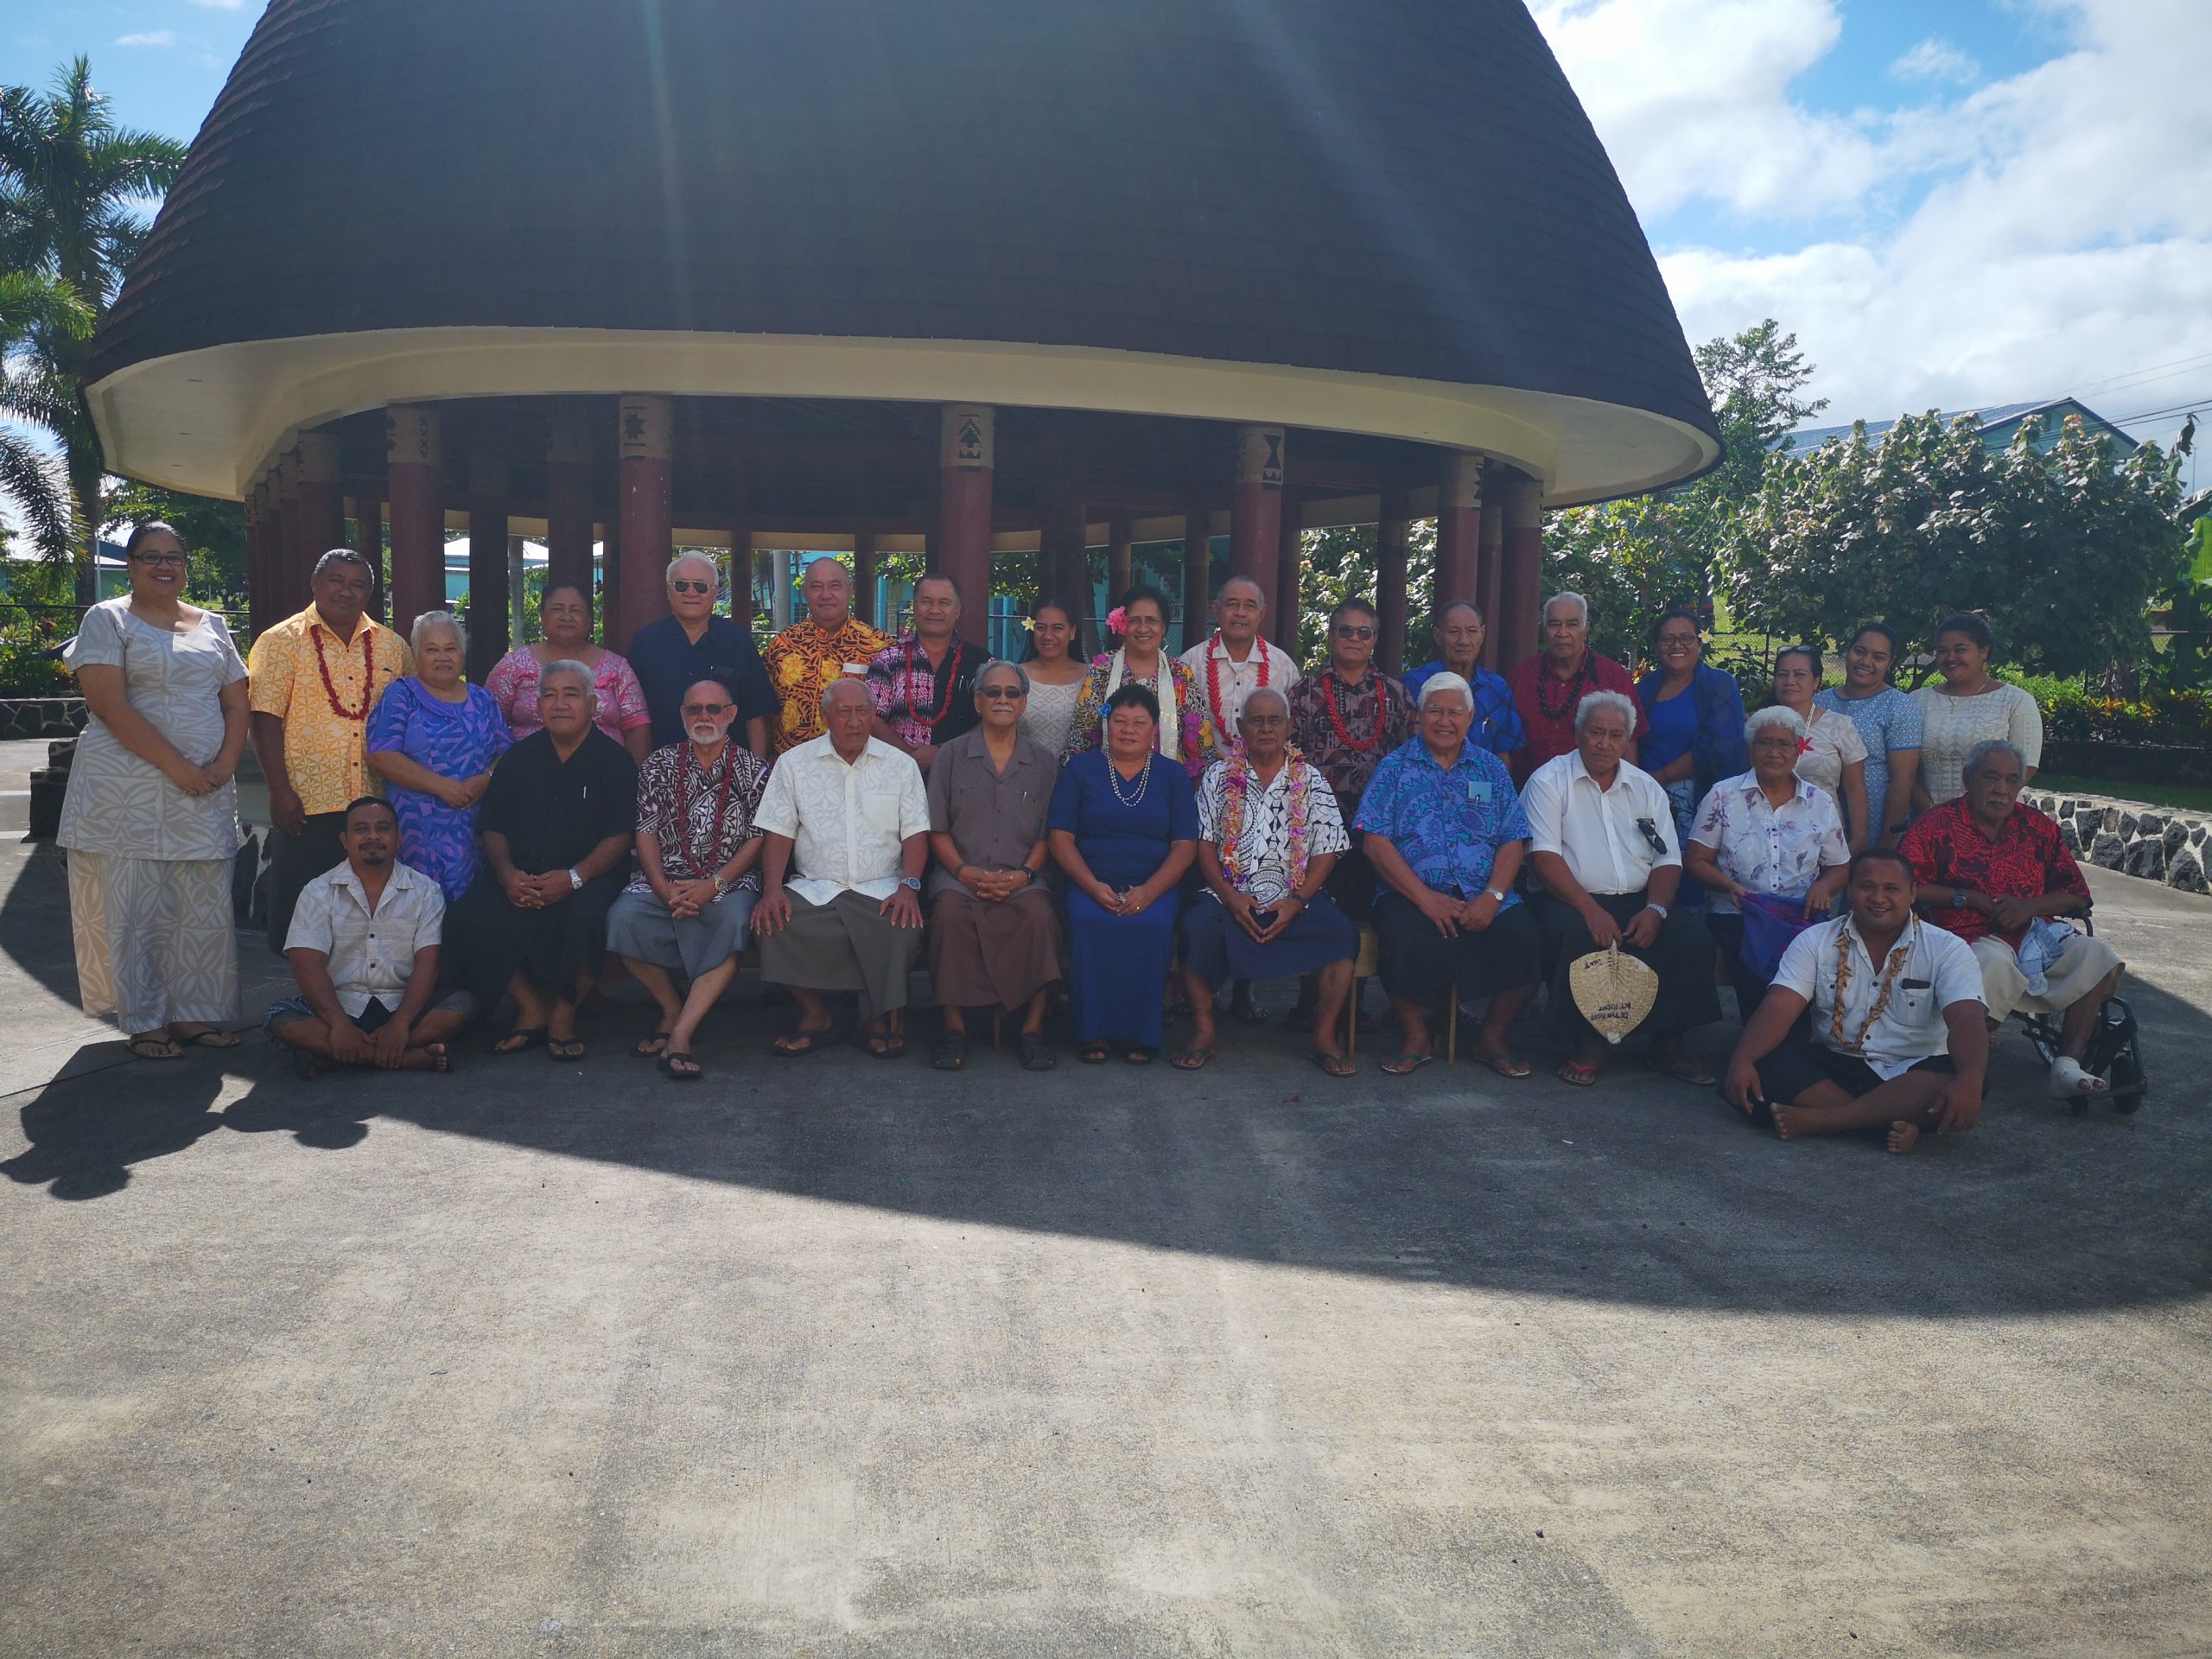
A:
(2180, 795)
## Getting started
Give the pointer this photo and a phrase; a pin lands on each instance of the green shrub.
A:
(2073, 713)
(26, 670)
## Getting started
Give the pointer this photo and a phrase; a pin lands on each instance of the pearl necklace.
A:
(1114, 781)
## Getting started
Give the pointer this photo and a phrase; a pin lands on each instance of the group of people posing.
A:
(1125, 833)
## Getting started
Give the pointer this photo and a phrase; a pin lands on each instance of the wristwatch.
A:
(720, 885)
(1662, 909)
(912, 883)
(1958, 898)
(576, 882)
(1492, 892)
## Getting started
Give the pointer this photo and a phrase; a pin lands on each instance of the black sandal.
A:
(651, 1047)
(1036, 1054)
(1095, 1053)
(520, 1040)
(560, 1050)
(885, 1045)
(679, 1067)
(799, 1040)
(952, 1052)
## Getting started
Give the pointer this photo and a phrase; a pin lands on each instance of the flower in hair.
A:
(1118, 618)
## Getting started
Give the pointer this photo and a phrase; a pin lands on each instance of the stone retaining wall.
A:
(42, 716)
(2154, 842)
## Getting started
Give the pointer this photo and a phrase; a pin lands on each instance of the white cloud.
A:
(220, 5)
(2061, 236)
(150, 37)
(1938, 60)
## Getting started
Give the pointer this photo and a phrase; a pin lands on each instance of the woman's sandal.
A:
(952, 1052)
(884, 1045)
(1191, 1060)
(1036, 1053)
(1581, 1074)
(523, 1037)
(1408, 1062)
(679, 1067)
(1505, 1063)
(651, 1047)
(1335, 1064)
(150, 1047)
(1095, 1053)
(560, 1050)
(213, 1037)
(799, 1040)
(1138, 1054)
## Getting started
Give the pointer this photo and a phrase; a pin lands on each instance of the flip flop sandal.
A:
(1335, 1064)
(1191, 1060)
(795, 1042)
(1036, 1054)
(211, 1038)
(1506, 1065)
(155, 1048)
(883, 1045)
(520, 1040)
(1094, 1054)
(651, 1047)
(1684, 1070)
(1408, 1062)
(1138, 1054)
(679, 1067)
(1577, 1072)
(560, 1050)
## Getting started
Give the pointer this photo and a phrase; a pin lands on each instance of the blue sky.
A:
(1951, 202)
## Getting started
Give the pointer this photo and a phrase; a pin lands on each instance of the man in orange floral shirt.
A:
(829, 644)
(314, 678)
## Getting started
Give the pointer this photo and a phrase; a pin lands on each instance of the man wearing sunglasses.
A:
(692, 643)
(1602, 845)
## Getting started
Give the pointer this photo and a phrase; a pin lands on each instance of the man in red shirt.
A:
(1995, 871)
(1550, 686)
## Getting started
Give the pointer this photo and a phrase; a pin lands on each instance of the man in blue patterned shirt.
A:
(1460, 631)
(1445, 835)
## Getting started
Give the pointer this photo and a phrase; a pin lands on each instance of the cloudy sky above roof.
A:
(1951, 203)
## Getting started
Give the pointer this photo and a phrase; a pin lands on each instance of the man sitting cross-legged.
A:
(1898, 1033)
(850, 812)
(364, 948)
(1993, 871)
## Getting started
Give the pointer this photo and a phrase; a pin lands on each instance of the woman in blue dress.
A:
(1125, 826)
(433, 739)
(1697, 713)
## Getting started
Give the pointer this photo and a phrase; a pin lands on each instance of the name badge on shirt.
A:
(858, 671)
(1479, 792)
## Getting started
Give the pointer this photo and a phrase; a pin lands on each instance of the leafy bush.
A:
(26, 670)
(2073, 712)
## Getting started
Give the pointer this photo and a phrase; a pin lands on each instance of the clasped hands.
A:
(992, 887)
(1640, 931)
(1245, 912)
(536, 891)
(1452, 915)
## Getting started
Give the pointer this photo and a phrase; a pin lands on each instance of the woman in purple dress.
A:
(433, 739)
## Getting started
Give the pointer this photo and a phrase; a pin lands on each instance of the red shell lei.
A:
(1337, 720)
(950, 679)
(368, 675)
(1213, 676)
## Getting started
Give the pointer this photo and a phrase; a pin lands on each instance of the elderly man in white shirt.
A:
(853, 812)
(363, 943)
(1602, 846)
(1234, 662)
(1898, 1034)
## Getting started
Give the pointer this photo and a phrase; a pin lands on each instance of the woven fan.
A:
(1614, 992)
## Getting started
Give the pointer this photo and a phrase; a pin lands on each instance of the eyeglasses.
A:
(1002, 693)
(683, 584)
(162, 560)
(693, 710)
(1652, 838)
(1346, 631)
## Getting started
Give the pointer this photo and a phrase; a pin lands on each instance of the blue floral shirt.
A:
(1447, 825)
(1497, 719)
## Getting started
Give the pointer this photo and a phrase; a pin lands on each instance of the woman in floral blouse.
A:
(1185, 729)
(565, 614)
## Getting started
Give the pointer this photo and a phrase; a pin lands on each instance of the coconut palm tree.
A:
(35, 307)
(73, 185)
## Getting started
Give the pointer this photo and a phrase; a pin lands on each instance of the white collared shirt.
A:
(848, 824)
(1939, 970)
(371, 952)
(1238, 680)
(1596, 831)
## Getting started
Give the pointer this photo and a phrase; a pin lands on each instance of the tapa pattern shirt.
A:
(2027, 859)
(1447, 823)
(1263, 842)
(910, 694)
(326, 752)
(1780, 852)
(804, 661)
(677, 804)
(1377, 709)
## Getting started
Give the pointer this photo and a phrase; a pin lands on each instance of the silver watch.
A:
(912, 883)
(1492, 892)
(576, 882)
(1662, 909)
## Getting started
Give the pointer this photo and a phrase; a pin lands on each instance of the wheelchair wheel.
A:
(2128, 1083)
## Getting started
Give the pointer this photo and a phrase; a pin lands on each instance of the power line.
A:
(2178, 365)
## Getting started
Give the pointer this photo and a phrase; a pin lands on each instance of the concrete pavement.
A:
(839, 1359)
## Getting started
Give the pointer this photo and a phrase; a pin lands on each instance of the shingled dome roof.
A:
(1390, 218)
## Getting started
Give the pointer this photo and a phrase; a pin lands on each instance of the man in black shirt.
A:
(557, 825)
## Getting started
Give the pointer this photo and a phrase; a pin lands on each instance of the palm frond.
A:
(31, 480)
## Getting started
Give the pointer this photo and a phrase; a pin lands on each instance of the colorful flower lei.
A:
(1235, 789)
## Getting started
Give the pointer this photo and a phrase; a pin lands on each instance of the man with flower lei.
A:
(1234, 661)
(312, 680)
(1899, 1034)
(1270, 833)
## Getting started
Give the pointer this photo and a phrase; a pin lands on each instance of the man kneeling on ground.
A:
(1898, 1033)
(364, 949)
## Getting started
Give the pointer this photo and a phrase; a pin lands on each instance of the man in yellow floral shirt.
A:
(314, 678)
(812, 655)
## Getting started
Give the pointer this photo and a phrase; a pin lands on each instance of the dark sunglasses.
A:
(1346, 631)
(685, 585)
(1656, 842)
(1003, 693)
(691, 708)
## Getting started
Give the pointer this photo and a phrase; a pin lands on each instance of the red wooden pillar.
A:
(487, 567)
(1290, 561)
(645, 438)
(1392, 529)
(322, 495)
(1068, 560)
(1198, 568)
(568, 500)
(1255, 509)
(368, 542)
(295, 575)
(1492, 565)
(967, 452)
(1521, 582)
(418, 513)
(864, 574)
(1458, 529)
